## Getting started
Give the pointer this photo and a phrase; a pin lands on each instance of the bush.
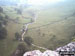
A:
(28, 40)
(19, 11)
(17, 36)
(6, 17)
(1, 17)
(3, 33)
(3, 22)
(0, 24)
(1, 10)
(21, 49)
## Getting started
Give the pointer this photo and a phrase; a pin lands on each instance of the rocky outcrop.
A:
(39, 53)
(68, 47)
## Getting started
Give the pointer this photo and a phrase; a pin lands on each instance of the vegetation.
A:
(1, 10)
(22, 48)
(54, 42)
(1, 17)
(54, 30)
(17, 36)
(19, 11)
(3, 31)
(6, 17)
(28, 40)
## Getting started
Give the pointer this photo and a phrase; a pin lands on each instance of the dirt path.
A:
(25, 26)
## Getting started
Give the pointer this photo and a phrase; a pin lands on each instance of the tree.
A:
(0, 25)
(3, 22)
(19, 11)
(6, 17)
(21, 49)
(3, 33)
(17, 36)
(1, 10)
(28, 40)
(1, 17)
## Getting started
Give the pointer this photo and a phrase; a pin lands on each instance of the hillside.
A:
(53, 27)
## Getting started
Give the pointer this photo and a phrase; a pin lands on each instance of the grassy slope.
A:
(62, 30)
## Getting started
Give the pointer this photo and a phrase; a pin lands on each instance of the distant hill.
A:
(11, 2)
